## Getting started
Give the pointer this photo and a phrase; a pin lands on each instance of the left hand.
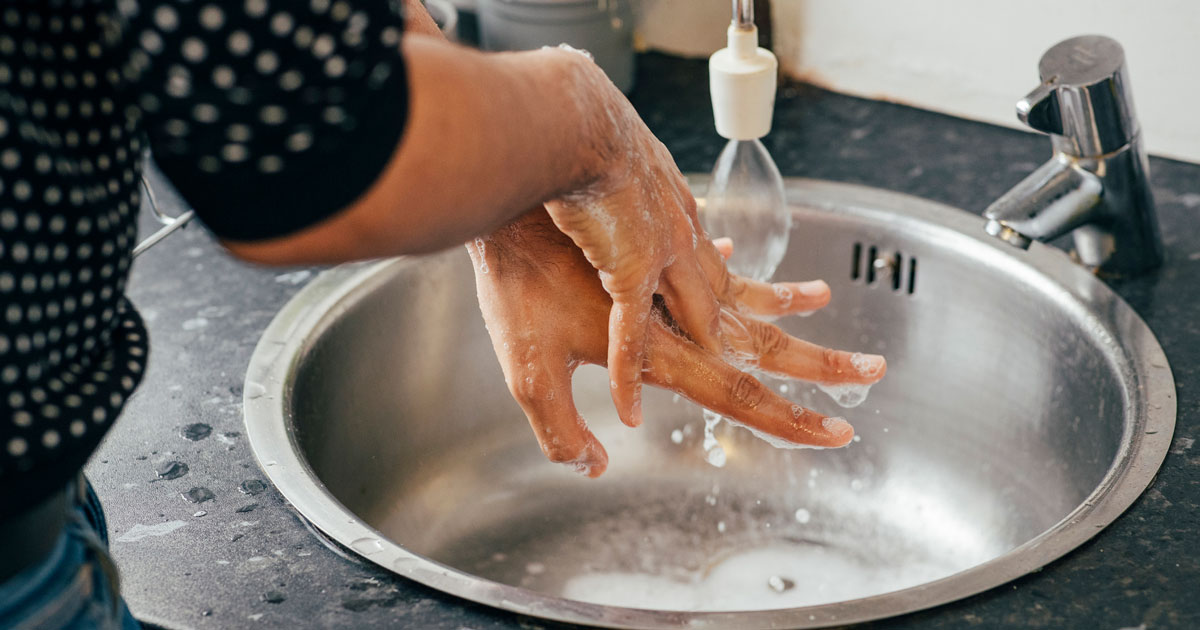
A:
(547, 313)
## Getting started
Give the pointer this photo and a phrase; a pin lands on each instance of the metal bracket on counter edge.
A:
(169, 223)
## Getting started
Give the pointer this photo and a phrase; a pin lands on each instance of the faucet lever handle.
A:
(1084, 99)
(1039, 109)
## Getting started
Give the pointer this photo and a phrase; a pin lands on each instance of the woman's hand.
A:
(547, 313)
(636, 223)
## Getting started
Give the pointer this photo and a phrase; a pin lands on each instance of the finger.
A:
(761, 298)
(724, 246)
(779, 353)
(692, 303)
(627, 322)
(544, 393)
(709, 381)
(778, 298)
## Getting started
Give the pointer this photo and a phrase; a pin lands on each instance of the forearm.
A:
(488, 136)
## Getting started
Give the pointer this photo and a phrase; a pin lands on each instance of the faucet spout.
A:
(1055, 199)
(1096, 185)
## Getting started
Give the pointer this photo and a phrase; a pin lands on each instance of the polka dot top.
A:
(267, 115)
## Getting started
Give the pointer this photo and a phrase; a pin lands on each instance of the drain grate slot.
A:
(872, 264)
(896, 271)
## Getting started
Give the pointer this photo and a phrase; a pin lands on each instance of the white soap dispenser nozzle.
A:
(742, 81)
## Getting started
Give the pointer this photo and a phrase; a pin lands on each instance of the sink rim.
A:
(1144, 445)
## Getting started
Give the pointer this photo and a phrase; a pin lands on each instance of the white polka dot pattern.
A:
(240, 99)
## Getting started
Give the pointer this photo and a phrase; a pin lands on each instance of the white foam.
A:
(867, 365)
(809, 575)
(845, 394)
(783, 294)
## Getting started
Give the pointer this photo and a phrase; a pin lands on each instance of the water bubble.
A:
(803, 516)
(367, 546)
(721, 526)
(856, 484)
(199, 513)
(255, 390)
(677, 436)
(784, 389)
(535, 568)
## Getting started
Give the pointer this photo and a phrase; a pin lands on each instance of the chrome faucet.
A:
(1096, 184)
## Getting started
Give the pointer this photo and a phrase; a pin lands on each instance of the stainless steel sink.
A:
(1025, 407)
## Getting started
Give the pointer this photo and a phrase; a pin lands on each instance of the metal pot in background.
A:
(445, 15)
(604, 28)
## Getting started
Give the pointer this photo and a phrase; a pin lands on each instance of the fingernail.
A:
(812, 289)
(635, 412)
(867, 364)
(838, 427)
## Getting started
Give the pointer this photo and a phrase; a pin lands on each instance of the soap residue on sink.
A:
(751, 580)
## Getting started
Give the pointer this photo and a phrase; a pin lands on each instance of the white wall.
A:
(689, 28)
(967, 58)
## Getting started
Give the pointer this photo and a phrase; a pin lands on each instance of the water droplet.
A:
(367, 546)
(721, 526)
(677, 436)
(714, 453)
(404, 564)
(535, 568)
(171, 470)
(196, 432)
(780, 584)
(255, 390)
(803, 516)
(856, 484)
(199, 513)
(252, 487)
(846, 395)
(198, 494)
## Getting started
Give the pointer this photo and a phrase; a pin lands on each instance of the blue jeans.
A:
(75, 587)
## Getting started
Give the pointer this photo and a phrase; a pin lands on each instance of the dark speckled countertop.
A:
(245, 559)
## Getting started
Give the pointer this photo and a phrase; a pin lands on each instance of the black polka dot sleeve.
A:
(269, 115)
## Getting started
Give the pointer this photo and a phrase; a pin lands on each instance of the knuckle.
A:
(768, 339)
(746, 391)
(831, 363)
(524, 390)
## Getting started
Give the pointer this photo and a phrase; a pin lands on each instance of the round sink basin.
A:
(1025, 407)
